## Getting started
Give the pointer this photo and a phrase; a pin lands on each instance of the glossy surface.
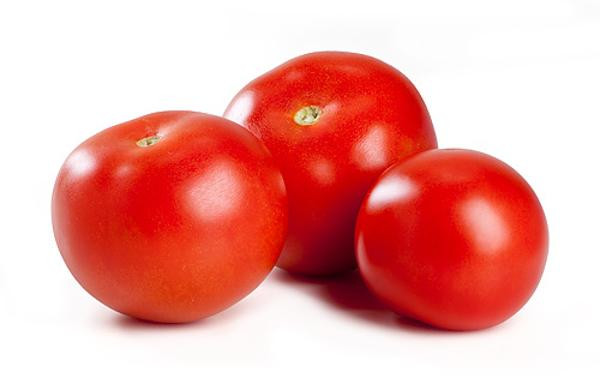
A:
(170, 217)
(454, 238)
(333, 122)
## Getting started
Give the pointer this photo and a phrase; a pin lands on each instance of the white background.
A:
(517, 79)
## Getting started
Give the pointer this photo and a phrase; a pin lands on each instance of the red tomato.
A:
(333, 122)
(454, 238)
(170, 217)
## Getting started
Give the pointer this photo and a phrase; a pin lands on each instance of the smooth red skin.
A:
(373, 116)
(453, 238)
(176, 231)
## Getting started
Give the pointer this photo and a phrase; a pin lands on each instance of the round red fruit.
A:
(453, 238)
(333, 122)
(170, 217)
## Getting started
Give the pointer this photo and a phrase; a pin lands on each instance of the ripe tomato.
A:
(333, 122)
(170, 217)
(454, 238)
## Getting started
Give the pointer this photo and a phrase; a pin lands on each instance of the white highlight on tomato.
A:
(487, 228)
(367, 153)
(216, 194)
(80, 162)
(389, 190)
(241, 108)
(323, 171)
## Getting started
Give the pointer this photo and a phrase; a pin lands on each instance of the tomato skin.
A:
(175, 231)
(453, 238)
(371, 117)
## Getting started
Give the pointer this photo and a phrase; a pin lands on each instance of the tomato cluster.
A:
(326, 162)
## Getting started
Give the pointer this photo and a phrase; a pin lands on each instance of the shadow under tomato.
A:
(132, 323)
(124, 322)
(349, 294)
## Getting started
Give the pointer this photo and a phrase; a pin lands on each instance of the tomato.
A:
(170, 217)
(454, 238)
(333, 122)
